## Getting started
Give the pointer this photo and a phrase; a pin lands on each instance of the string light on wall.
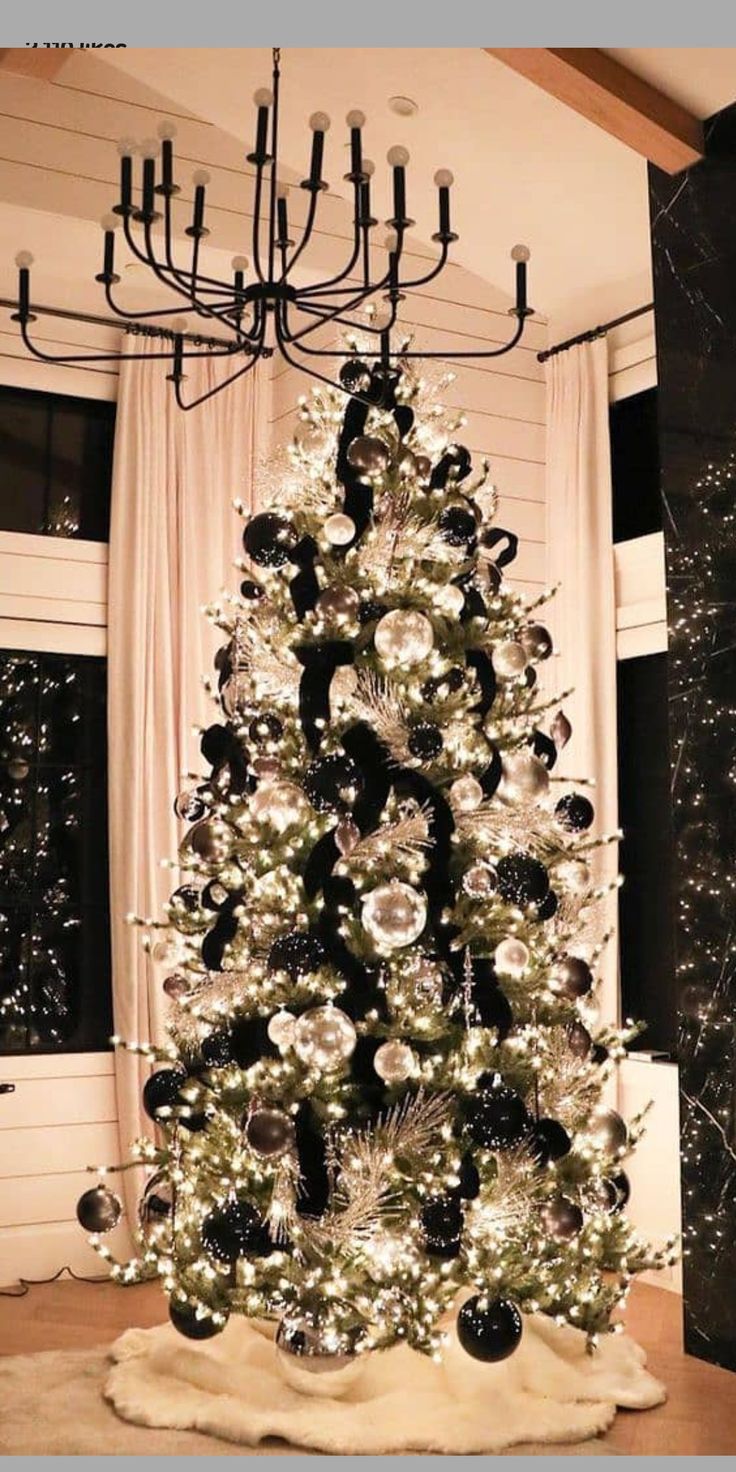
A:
(259, 309)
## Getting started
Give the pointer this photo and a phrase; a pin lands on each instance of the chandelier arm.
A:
(332, 316)
(313, 373)
(155, 265)
(430, 276)
(95, 357)
(333, 313)
(450, 357)
(210, 393)
(331, 281)
(211, 283)
(288, 266)
(137, 316)
(274, 157)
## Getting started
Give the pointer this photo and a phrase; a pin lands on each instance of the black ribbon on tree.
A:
(491, 538)
(479, 661)
(319, 663)
(304, 587)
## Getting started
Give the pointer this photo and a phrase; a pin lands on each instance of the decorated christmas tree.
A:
(380, 1110)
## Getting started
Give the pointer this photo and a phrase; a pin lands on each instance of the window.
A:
(637, 504)
(56, 464)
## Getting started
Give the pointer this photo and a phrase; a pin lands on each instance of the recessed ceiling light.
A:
(404, 106)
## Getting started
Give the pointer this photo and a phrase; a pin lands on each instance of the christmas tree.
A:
(380, 1110)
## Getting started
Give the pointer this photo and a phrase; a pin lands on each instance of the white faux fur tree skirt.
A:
(549, 1391)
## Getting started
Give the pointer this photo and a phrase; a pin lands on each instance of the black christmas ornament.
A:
(439, 687)
(368, 455)
(490, 1007)
(194, 1325)
(215, 745)
(371, 610)
(161, 1090)
(157, 1201)
(537, 641)
(574, 812)
(251, 590)
(579, 1040)
(235, 1230)
(98, 1210)
(332, 783)
(189, 806)
(269, 539)
(299, 953)
(497, 1117)
(561, 1218)
(623, 1189)
(355, 376)
(548, 1140)
(468, 1180)
(571, 978)
(442, 1224)
(458, 527)
(425, 741)
(269, 1132)
(521, 880)
(599, 1054)
(265, 728)
(489, 1329)
(217, 1049)
(548, 906)
(186, 897)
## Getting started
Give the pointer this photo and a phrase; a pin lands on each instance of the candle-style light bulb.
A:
(263, 99)
(319, 122)
(520, 255)
(355, 121)
(167, 134)
(398, 158)
(24, 261)
(444, 180)
(107, 275)
(126, 149)
(200, 180)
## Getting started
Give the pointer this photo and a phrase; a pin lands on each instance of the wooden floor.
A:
(699, 1418)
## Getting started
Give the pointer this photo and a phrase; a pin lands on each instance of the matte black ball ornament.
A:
(265, 728)
(547, 907)
(574, 812)
(269, 1132)
(497, 1117)
(458, 527)
(252, 591)
(299, 953)
(548, 1140)
(235, 1230)
(98, 1210)
(521, 880)
(269, 539)
(622, 1185)
(442, 1224)
(161, 1090)
(332, 783)
(489, 1329)
(571, 977)
(194, 1325)
(425, 741)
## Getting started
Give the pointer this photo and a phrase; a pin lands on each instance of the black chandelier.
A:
(259, 308)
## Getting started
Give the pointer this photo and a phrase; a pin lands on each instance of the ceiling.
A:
(526, 167)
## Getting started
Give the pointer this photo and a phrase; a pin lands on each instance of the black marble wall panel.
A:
(693, 217)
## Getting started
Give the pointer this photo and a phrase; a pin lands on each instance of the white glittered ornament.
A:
(509, 659)
(394, 1061)
(339, 529)
(450, 600)
(281, 1029)
(394, 914)
(511, 957)
(324, 1038)
(403, 637)
(477, 881)
(523, 776)
(466, 794)
(280, 804)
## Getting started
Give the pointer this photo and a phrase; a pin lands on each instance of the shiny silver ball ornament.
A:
(466, 794)
(403, 637)
(177, 986)
(511, 957)
(477, 881)
(269, 1133)
(536, 641)
(394, 1062)
(281, 1029)
(561, 1218)
(573, 875)
(523, 778)
(156, 1203)
(347, 836)
(608, 1130)
(571, 977)
(604, 1195)
(278, 804)
(339, 529)
(450, 600)
(324, 1038)
(210, 839)
(394, 915)
(99, 1210)
(314, 1359)
(368, 455)
(509, 659)
(338, 605)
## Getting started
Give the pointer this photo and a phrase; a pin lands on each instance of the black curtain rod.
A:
(122, 324)
(593, 332)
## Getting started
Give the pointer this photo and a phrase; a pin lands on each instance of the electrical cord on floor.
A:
(24, 1285)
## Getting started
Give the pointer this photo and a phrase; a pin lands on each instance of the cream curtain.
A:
(173, 539)
(583, 613)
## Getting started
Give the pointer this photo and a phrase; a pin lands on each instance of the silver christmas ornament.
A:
(338, 605)
(560, 730)
(281, 1029)
(368, 455)
(450, 600)
(573, 875)
(477, 881)
(511, 957)
(394, 1061)
(347, 835)
(314, 1359)
(324, 1038)
(466, 794)
(394, 914)
(155, 1205)
(279, 804)
(571, 977)
(537, 641)
(176, 986)
(608, 1130)
(523, 777)
(210, 839)
(99, 1210)
(269, 1132)
(561, 1218)
(509, 659)
(339, 529)
(403, 637)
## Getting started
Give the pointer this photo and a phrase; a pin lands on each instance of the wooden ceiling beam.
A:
(609, 95)
(41, 62)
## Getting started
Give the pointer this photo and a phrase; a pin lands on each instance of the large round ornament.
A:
(458, 527)
(442, 1221)
(571, 977)
(574, 812)
(509, 659)
(608, 1130)
(488, 1328)
(279, 804)
(324, 1038)
(281, 1029)
(478, 881)
(497, 1117)
(521, 879)
(561, 1218)
(523, 777)
(332, 783)
(315, 1359)
(299, 953)
(425, 741)
(339, 529)
(547, 907)
(161, 1090)
(177, 986)
(394, 1061)
(466, 794)
(511, 957)
(99, 1210)
(579, 1040)
(235, 1230)
(210, 840)
(548, 1140)
(193, 1324)
(338, 605)
(269, 1132)
(269, 539)
(368, 455)
(394, 914)
(536, 641)
(450, 600)
(403, 637)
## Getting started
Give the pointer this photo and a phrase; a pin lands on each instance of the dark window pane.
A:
(637, 503)
(646, 899)
(55, 464)
(54, 944)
